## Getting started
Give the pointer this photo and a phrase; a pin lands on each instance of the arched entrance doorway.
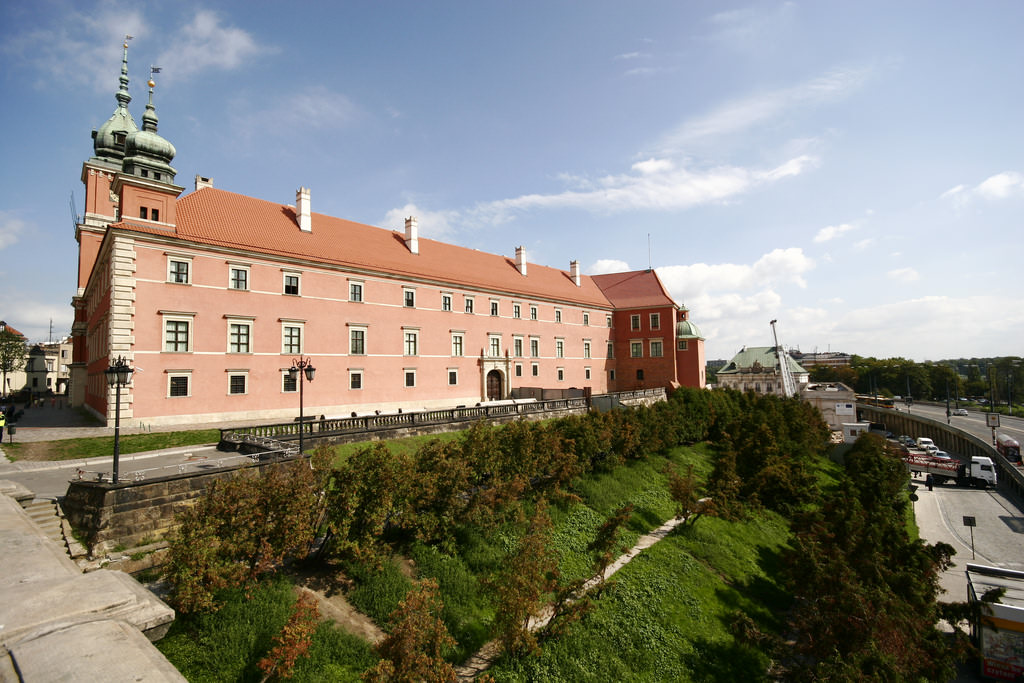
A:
(494, 388)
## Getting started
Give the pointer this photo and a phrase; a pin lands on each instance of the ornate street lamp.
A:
(118, 375)
(302, 371)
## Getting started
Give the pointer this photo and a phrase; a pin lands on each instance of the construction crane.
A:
(788, 382)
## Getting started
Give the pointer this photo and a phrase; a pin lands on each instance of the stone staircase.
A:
(43, 512)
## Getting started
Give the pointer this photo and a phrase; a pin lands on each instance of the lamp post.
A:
(302, 371)
(118, 375)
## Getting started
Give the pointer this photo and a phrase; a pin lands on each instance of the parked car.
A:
(962, 412)
(907, 441)
(942, 455)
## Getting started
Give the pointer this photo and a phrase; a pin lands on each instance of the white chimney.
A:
(574, 272)
(302, 209)
(412, 235)
(202, 182)
(521, 259)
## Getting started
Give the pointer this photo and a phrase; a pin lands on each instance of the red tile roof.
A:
(634, 289)
(216, 217)
(7, 328)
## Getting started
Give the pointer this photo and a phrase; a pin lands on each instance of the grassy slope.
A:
(665, 618)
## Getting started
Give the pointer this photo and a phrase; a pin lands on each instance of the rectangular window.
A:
(586, 349)
(535, 369)
(291, 284)
(238, 278)
(561, 374)
(586, 319)
(519, 369)
(409, 298)
(634, 322)
(155, 214)
(611, 350)
(457, 344)
(239, 337)
(559, 348)
(355, 292)
(177, 385)
(494, 307)
(611, 375)
(143, 213)
(291, 339)
(656, 349)
(586, 373)
(608, 319)
(469, 304)
(517, 346)
(640, 374)
(410, 378)
(357, 341)
(176, 337)
(453, 377)
(446, 302)
(517, 311)
(495, 346)
(355, 379)
(534, 348)
(655, 321)
(533, 312)
(411, 342)
(681, 345)
(558, 315)
(289, 384)
(177, 271)
(237, 384)
(636, 349)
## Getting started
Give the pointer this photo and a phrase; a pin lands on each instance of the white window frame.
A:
(352, 329)
(656, 345)
(634, 321)
(446, 301)
(300, 325)
(636, 349)
(519, 369)
(241, 268)
(535, 369)
(494, 344)
(559, 347)
(558, 315)
(468, 305)
(171, 275)
(517, 346)
(410, 336)
(453, 372)
(560, 374)
(248, 322)
(517, 310)
(177, 317)
(586, 318)
(238, 373)
(610, 351)
(406, 374)
(655, 321)
(534, 347)
(408, 297)
(608, 319)
(586, 348)
(586, 372)
(458, 344)
(533, 312)
(178, 374)
(353, 373)
(356, 291)
(285, 378)
(681, 345)
(285, 274)
(495, 307)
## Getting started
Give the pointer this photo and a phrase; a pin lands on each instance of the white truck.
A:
(980, 471)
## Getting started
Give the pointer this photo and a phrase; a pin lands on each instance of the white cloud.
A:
(10, 229)
(780, 266)
(831, 232)
(312, 108)
(1001, 186)
(435, 225)
(864, 243)
(206, 44)
(903, 274)
(608, 265)
(659, 186)
(743, 114)
(653, 166)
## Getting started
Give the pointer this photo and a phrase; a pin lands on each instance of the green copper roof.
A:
(145, 149)
(687, 330)
(762, 356)
(108, 139)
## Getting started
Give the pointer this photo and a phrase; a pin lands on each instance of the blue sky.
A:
(850, 169)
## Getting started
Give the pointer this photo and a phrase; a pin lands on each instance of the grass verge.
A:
(97, 446)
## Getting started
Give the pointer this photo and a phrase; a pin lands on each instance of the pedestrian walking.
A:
(3, 424)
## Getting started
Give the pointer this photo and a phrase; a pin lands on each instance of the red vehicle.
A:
(1008, 447)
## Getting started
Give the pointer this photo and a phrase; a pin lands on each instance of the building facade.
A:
(211, 297)
(756, 368)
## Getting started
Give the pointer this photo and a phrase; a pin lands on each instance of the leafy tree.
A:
(526, 577)
(683, 490)
(413, 651)
(243, 527)
(607, 539)
(12, 354)
(294, 640)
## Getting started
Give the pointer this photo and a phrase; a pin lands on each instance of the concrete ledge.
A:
(109, 651)
(16, 491)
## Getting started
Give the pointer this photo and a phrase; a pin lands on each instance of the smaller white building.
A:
(755, 368)
(835, 401)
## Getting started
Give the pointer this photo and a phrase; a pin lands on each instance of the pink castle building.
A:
(212, 295)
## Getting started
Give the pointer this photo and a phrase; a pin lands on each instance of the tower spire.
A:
(122, 95)
(109, 139)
